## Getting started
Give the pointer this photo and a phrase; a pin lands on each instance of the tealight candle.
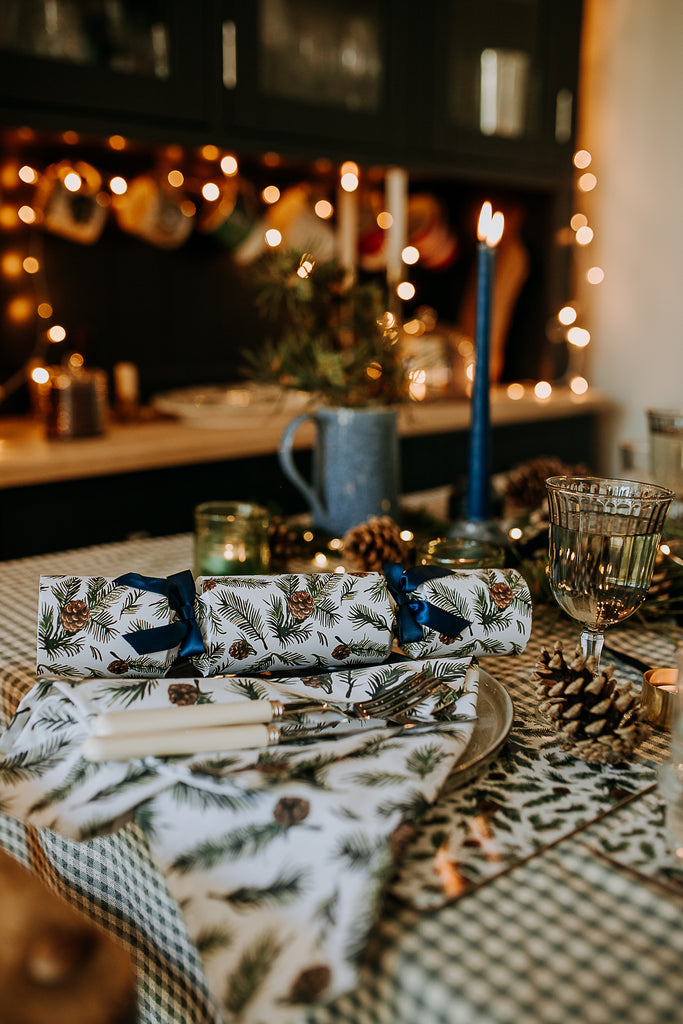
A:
(660, 686)
(231, 539)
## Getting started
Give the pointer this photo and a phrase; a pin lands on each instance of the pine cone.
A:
(320, 682)
(117, 667)
(291, 810)
(240, 649)
(597, 718)
(182, 694)
(74, 616)
(525, 485)
(341, 651)
(283, 540)
(300, 605)
(376, 541)
(209, 585)
(501, 595)
(308, 986)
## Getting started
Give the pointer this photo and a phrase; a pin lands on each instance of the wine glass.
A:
(604, 536)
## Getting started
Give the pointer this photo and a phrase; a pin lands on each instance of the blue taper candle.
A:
(480, 426)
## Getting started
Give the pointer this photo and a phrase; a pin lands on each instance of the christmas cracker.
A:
(139, 627)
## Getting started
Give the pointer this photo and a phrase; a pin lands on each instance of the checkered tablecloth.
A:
(569, 905)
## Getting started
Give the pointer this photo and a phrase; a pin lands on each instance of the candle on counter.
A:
(347, 219)
(396, 201)
(489, 234)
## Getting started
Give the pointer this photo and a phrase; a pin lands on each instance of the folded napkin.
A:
(139, 626)
(278, 857)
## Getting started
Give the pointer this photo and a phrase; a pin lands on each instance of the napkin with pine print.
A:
(278, 857)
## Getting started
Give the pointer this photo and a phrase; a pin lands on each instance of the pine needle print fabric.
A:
(273, 623)
(278, 857)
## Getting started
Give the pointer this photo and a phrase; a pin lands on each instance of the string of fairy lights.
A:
(198, 185)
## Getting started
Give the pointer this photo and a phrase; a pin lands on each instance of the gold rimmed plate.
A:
(495, 715)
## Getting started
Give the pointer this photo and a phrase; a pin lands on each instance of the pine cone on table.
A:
(525, 488)
(284, 541)
(371, 543)
(596, 717)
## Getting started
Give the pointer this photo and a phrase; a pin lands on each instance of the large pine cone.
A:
(378, 540)
(74, 616)
(300, 605)
(597, 718)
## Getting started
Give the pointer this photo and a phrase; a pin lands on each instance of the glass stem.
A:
(591, 644)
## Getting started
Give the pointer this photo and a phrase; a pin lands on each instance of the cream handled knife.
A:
(242, 712)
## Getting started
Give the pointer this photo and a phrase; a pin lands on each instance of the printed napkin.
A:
(278, 857)
(136, 626)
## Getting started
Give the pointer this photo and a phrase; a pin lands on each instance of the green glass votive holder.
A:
(230, 539)
(461, 553)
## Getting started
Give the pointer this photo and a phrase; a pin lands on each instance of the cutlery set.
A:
(242, 725)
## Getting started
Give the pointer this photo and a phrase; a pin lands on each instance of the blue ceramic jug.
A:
(356, 468)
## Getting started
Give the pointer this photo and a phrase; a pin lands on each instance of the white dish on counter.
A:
(217, 406)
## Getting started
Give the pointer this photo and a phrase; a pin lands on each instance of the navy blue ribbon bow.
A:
(179, 589)
(412, 612)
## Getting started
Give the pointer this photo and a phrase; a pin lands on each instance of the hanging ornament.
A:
(69, 202)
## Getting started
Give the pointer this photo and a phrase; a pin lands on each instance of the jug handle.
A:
(286, 458)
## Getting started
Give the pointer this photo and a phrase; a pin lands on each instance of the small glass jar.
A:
(671, 773)
(461, 553)
(230, 539)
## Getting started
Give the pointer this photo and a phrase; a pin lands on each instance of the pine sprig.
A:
(131, 691)
(66, 590)
(52, 639)
(424, 760)
(357, 850)
(31, 764)
(253, 967)
(377, 779)
(285, 628)
(361, 616)
(242, 842)
(211, 940)
(326, 613)
(243, 614)
(283, 890)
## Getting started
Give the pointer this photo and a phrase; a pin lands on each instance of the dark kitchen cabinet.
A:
(332, 74)
(464, 87)
(100, 65)
(504, 83)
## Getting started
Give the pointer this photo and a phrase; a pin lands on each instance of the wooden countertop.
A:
(27, 457)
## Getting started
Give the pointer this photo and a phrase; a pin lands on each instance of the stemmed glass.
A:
(604, 536)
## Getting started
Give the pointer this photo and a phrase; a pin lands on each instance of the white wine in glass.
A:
(604, 536)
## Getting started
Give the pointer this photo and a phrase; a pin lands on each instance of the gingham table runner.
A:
(96, 875)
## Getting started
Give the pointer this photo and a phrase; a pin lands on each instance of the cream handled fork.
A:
(238, 726)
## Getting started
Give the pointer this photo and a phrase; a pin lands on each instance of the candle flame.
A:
(490, 227)
(484, 221)
(495, 231)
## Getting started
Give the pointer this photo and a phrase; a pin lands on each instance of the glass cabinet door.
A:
(311, 68)
(132, 56)
(500, 89)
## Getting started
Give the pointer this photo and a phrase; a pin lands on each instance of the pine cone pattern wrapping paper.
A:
(293, 621)
(496, 602)
(280, 856)
(81, 625)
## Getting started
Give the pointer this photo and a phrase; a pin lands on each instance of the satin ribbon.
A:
(179, 589)
(412, 612)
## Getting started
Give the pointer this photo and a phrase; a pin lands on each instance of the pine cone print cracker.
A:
(300, 605)
(74, 616)
(596, 717)
(378, 540)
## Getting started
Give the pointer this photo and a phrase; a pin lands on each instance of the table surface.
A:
(543, 890)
